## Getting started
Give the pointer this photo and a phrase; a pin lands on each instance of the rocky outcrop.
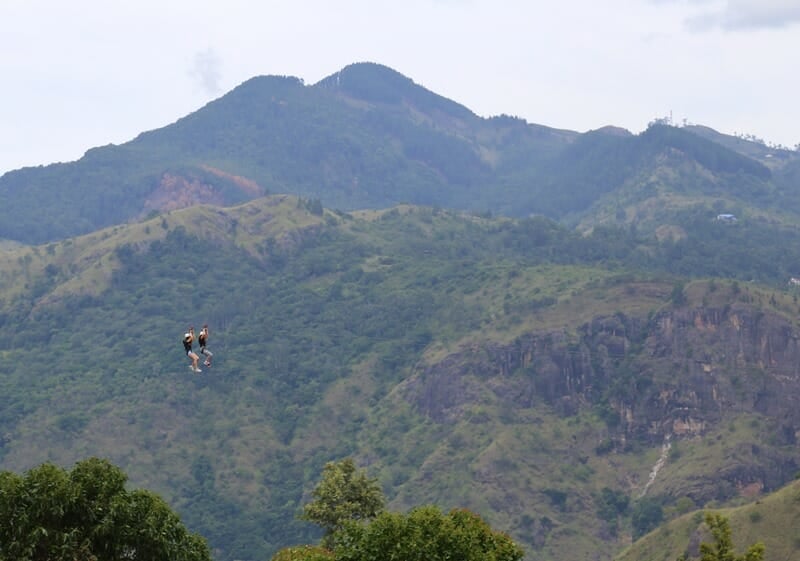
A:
(203, 185)
(176, 191)
(675, 375)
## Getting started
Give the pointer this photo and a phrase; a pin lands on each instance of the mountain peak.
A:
(370, 81)
(376, 83)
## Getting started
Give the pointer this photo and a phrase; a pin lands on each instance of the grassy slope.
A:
(771, 520)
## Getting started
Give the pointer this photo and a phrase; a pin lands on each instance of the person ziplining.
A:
(188, 342)
(203, 340)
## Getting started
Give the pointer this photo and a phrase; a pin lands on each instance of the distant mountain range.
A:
(368, 137)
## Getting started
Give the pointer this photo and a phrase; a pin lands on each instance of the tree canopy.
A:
(350, 508)
(722, 548)
(426, 534)
(344, 493)
(51, 514)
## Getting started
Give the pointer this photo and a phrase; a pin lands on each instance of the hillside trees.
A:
(646, 514)
(611, 505)
(87, 515)
(722, 548)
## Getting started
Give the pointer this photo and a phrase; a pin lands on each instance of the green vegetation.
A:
(342, 495)
(85, 514)
(368, 137)
(646, 515)
(450, 349)
(349, 506)
(722, 547)
(519, 368)
(720, 533)
(425, 533)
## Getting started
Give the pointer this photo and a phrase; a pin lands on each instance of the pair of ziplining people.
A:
(202, 339)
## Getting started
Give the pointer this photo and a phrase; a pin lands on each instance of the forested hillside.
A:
(518, 368)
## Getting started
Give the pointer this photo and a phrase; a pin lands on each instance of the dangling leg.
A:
(195, 358)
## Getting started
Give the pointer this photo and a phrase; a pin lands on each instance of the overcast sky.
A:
(83, 73)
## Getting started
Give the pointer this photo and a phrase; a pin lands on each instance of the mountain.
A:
(369, 137)
(541, 377)
(577, 336)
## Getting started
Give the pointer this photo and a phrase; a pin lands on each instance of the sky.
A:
(85, 73)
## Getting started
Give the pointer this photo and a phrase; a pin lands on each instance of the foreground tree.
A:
(425, 534)
(344, 494)
(350, 508)
(51, 514)
(722, 548)
(304, 553)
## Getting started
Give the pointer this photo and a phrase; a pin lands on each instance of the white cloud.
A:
(739, 15)
(206, 70)
(752, 14)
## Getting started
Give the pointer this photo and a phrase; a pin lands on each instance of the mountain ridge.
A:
(374, 140)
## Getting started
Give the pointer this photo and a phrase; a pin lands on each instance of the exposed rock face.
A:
(243, 183)
(675, 375)
(212, 186)
(175, 191)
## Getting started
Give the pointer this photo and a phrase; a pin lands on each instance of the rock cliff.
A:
(677, 374)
